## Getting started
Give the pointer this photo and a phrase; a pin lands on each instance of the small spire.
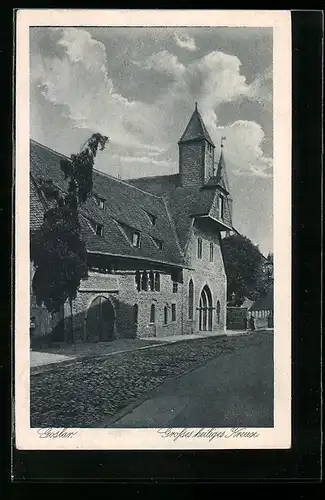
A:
(222, 140)
(195, 106)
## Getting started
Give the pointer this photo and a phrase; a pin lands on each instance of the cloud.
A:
(78, 78)
(216, 78)
(185, 41)
(163, 62)
(261, 89)
(243, 148)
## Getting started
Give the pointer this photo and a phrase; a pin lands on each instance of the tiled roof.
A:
(37, 207)
(125, 206)
(183, 203)
(131, 205)
(196, 129)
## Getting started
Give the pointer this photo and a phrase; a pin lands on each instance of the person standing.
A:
(252, 323)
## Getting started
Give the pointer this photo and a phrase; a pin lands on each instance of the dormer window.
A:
(157, 242)
(99, 229)
(152, 218)
(136, 239)
(100, 202)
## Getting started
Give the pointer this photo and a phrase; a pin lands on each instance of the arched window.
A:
(218, 311)
(190, 299)
(152, 313)
(165, 315)
(135, 314)
(157, 282)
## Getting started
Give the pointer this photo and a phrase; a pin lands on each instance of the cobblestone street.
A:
(86, 392)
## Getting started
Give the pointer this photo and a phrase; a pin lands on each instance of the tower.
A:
(196, 153)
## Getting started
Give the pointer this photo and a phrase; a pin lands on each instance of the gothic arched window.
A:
(152, 313)
(190, 299)
(165, 315)
(135, 314)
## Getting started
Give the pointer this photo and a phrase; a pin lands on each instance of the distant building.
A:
(154, 247)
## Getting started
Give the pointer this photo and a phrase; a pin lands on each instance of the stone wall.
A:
(191, 159)
(208, 161)
(204, 272)
(122, 292)
(129, 296)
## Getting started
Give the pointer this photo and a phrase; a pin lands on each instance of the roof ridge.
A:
(50, 149)
(151, 177)
(100, 172)
(122, 181)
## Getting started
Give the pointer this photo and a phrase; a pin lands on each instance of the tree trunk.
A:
(71, 322)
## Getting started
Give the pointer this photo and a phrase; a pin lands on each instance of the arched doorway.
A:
(100, 320)
(205, 310)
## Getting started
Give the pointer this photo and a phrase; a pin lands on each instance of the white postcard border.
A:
(136, 439)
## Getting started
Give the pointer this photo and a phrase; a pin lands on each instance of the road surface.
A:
(231, 390)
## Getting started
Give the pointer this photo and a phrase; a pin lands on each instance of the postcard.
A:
(153, 229)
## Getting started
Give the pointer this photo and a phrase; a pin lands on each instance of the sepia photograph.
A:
(155, 242)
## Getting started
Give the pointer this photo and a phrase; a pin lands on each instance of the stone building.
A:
(154, 247)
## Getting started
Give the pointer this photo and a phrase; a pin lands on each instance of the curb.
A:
(38, 370)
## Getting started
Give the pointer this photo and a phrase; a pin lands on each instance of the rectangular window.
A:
(211, 252)
(99, 230)
(175, 287)
(173, 312)
(221, 207)
(199, 248)
(136, 239)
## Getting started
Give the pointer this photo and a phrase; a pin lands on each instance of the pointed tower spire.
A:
(196, 130)
(221, 177)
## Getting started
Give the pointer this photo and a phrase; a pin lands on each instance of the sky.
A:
(138, 86)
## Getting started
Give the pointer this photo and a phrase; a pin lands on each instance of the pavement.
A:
(232, 390)
(96, 391)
